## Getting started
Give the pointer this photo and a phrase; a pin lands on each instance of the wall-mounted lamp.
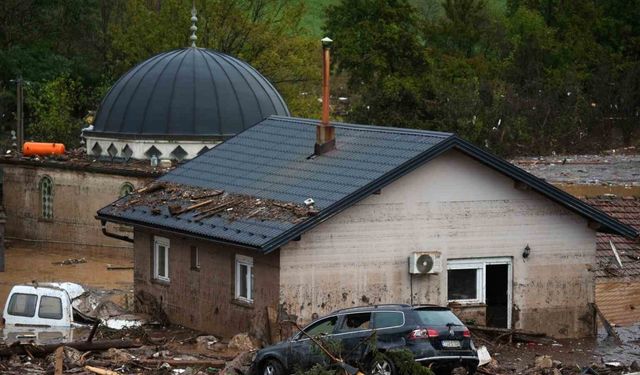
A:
(526, 252)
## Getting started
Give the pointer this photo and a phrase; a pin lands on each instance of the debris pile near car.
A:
(173, 350)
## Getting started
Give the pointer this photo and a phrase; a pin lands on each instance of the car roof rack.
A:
(373, 307)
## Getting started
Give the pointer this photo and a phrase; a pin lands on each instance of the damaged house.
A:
(307, 217)
(618, 262)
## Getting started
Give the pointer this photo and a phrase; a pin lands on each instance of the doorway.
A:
(497, 298)
(482, 281)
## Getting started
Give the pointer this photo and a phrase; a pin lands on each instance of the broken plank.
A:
(214, 363)
(59, 364)
(272, 318)
(607, 326)
(194, 206)
(43, 350)
(111, 267)
(214, 193)
(212, 211)
(151, 188)
(505, 330)
(100, 371)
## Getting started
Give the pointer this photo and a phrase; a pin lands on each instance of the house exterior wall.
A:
(77, 195)
(205, 299)
(462, 209)
(619, 299)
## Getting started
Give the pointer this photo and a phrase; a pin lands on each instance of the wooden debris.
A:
(214, 363)
(174, 209)
(213, 193)
(152, 187)
(514, 334)
(214, 210)
(59, 364)
(272, 318)
(193, 207)
(43, 350)
(100, 371)
(111, 267)
(607, 326)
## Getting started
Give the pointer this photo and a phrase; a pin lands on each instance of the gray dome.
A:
(187, 93)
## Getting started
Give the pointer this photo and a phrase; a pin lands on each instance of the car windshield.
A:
(438, 317)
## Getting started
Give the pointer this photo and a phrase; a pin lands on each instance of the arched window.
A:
(46, 197)
(126, 189)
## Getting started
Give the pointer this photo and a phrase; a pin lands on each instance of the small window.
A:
(244, 278)
(50, 308)
(195, 258)
(22, 304)
(388, 319)
(321, 327)
(126, 189)
(46, 198)
(355, 322)
(463, 284)
(161, 258)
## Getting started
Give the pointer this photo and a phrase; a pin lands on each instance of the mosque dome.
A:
(178, 102)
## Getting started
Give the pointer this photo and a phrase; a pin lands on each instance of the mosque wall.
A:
(55, 208)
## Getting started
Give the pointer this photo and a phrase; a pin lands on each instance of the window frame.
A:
(12, 303)
(48, 317)
(242, 260)
(195, 258)
(480, 268)
(166, 243)
(44, 215)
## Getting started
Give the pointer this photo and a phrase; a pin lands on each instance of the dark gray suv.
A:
(434, 335)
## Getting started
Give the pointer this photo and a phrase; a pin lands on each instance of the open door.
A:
(497, 297)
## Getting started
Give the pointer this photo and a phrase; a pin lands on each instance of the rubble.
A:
(200, 203)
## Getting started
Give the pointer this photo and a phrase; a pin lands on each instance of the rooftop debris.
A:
(175, 200)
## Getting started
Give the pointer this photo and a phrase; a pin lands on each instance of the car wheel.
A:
(382, 366)
(272, 367)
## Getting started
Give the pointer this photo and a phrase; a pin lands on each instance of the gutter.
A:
(104, 218)
(113, 235)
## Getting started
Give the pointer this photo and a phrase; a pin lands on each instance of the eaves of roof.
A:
(608, 223)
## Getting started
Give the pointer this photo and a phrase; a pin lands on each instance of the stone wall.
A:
(204, 299)
(77, 196)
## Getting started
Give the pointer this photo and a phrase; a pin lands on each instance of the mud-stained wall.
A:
(77, 196)
(205, 299)
(463, 209)
(619, 299)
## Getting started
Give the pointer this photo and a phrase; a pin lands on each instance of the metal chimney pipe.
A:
(325, 132)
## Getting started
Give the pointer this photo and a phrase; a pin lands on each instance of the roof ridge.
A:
(379, 128)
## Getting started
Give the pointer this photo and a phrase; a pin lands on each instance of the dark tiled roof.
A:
(273, 160)
(627, 210)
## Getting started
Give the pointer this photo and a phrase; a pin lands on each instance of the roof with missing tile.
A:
(274, 160)
(627, 210)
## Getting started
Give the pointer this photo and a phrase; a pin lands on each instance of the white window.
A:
(161, 258)
(195, 258)
(465, 281)
(244, 278)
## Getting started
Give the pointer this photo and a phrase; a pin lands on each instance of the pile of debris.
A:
(137, 351)
(165, 198)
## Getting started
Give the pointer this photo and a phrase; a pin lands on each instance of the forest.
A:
(518, 77)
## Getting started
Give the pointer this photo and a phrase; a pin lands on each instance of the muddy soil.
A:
(23, 264)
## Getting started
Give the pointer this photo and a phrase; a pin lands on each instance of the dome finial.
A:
(193, 28)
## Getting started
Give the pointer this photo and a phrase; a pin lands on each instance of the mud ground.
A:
(24, 264)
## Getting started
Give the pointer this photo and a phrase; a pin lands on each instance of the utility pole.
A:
(20, 113)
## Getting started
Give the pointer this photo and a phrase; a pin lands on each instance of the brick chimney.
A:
(325, 132)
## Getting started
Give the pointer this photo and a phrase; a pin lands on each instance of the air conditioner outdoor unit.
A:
(425, 263)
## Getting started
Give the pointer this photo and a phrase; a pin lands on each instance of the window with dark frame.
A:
(195, 258)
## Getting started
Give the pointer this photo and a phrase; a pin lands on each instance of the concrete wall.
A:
(463, 209)
(205, 299)
(77, 195)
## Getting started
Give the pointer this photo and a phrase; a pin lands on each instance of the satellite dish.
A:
(424, 263)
